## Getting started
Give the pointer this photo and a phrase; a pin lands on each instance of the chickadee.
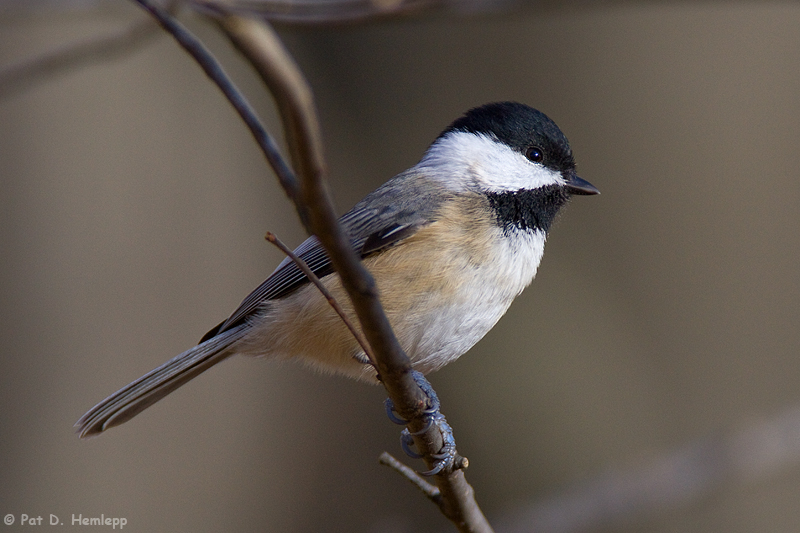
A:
(450, 241)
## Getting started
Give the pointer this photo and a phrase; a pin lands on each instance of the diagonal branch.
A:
(262, 47)
(259, 44)
(431, 492)
(316, 12)
(302, 265)
(214, 70)
(19, 76)
(308, 12)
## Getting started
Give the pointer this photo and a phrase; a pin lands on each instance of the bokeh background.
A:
(648, 380)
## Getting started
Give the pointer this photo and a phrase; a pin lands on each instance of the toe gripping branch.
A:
(445, 458)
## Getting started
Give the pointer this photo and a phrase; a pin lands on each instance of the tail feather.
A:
(150, 388)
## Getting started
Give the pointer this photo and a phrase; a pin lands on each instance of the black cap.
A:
(521, 127)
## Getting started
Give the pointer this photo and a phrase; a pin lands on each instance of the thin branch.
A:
(260, 45)
(17, 77)
(431, 491)
(308, 12)
(316, 12)
(635, 492)
(302, 265)
(214, 70)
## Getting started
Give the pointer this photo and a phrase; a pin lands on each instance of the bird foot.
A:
(446, 456)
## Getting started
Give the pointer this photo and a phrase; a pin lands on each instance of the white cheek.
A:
(485, 162)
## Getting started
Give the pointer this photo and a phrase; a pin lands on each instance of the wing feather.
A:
(384, 218)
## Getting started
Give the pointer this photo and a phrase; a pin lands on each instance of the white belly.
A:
(445, 330)
(442, 289)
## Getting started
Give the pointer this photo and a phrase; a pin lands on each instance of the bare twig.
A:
(295, 102)
(302, 265)
(19, 76)
(431, 491)
(14, 78)
(634, 493)
(316, 12)
(307, 12)
(263, 49)
(214, 70)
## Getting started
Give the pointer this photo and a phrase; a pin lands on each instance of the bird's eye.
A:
(535, 154)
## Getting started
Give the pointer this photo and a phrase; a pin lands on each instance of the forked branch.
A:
(260, 45)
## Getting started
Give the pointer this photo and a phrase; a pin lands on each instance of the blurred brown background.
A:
(663, 321)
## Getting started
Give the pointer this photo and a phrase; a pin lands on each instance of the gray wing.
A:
(384, 218)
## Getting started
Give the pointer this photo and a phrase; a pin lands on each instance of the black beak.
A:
(577, 185)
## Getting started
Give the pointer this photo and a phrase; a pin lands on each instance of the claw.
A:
(435, 470)
(428, 424)
(390, 412)
(445, 458)
(406, 442)
(407, 439)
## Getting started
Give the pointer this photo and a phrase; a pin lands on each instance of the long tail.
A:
(148, 389)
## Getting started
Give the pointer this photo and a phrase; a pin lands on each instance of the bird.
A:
(451, 242)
